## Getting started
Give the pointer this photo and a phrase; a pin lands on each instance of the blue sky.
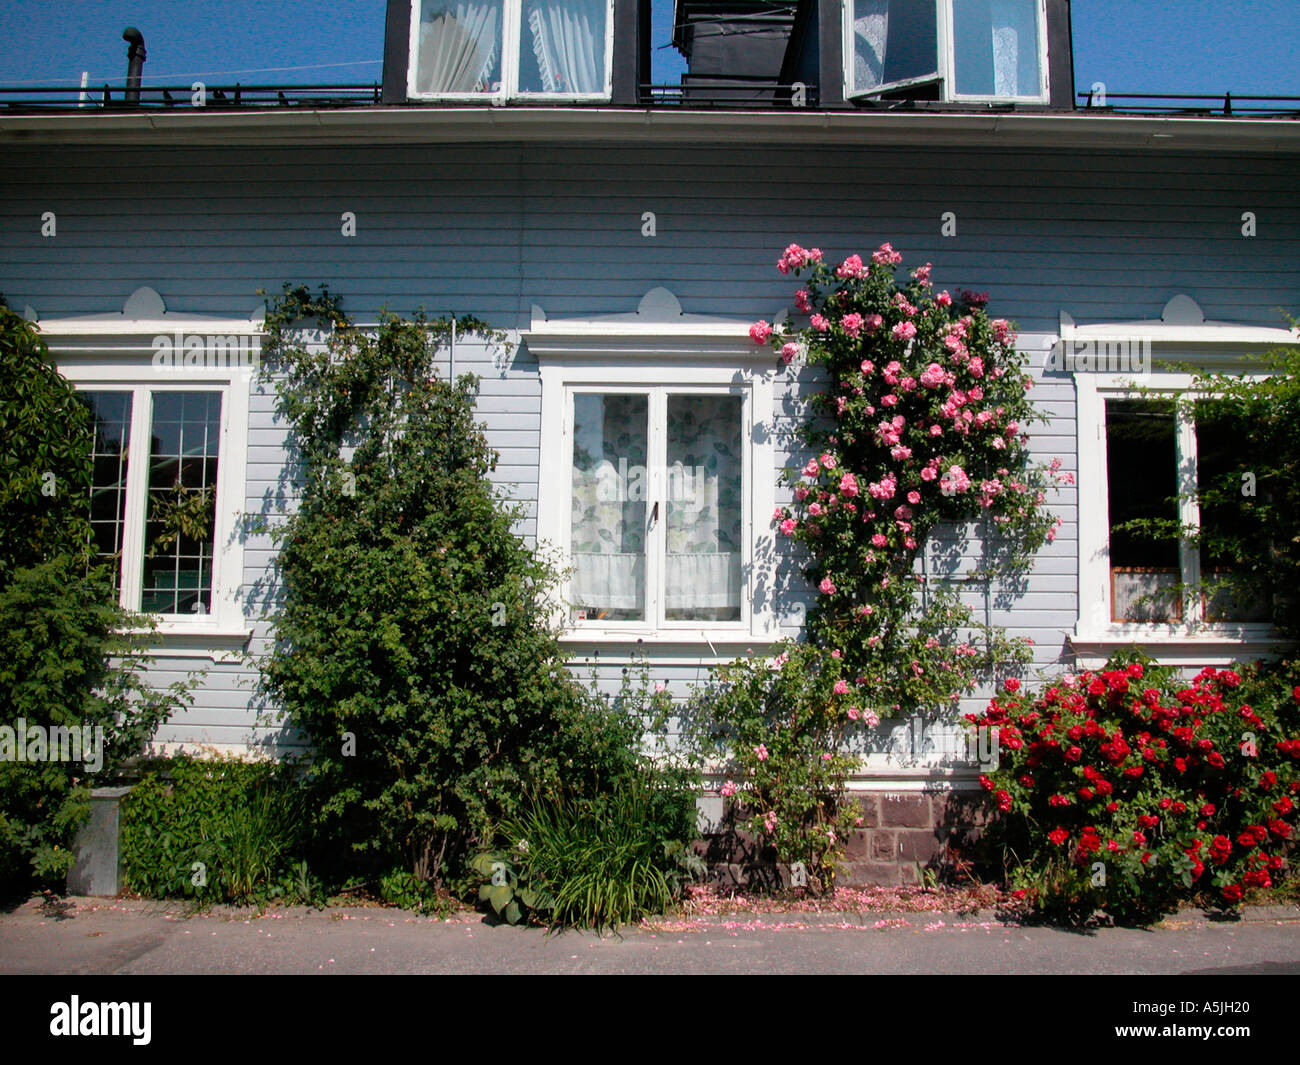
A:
(1199, 46)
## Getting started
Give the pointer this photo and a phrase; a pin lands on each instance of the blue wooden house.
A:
(517, 164)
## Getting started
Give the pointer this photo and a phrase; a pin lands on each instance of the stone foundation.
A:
(902, 835)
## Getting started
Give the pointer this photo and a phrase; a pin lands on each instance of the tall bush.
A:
(412, 643)
(73, 658)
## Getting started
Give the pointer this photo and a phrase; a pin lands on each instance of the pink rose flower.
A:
(828, 461)
(760, 331)
(789, 352)
(904, 331)
(802, 301)
(841, 687)
(943, 299)
(761, 752)
(852, 324)
(853, 266)
(848, 485)
(728, 789)
(788, 527)
(886, 255)
(914, 497)
(820, 323)
(827, 586)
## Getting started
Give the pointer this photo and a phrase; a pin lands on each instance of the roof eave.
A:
(459, 124)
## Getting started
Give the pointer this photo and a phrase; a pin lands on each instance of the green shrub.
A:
(413, 643)
(1134, 792)
(216, 830)
(597, 862)
(69, 662)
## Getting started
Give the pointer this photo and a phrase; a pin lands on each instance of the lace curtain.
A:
(870, 30)
(702, 510)
(459, 46)
(569, 43)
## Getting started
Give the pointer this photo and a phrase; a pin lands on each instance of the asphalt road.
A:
(105, 937)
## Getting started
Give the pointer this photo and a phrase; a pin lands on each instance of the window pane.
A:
(608, 517)
(704, 508)
(460, 46)
(1223, 454)
(893, 40)
(108, 481)
(996, 47)
(186, 432)
(562, 46)
(1142, 482)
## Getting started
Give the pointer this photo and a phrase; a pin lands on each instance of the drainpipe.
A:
(135, 57)
(451, 366)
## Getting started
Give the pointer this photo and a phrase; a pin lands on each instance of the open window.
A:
(1148, 447)
(507, 49)
(958, 50)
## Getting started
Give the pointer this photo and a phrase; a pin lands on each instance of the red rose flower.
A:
(1058, 836)
(1232, 892)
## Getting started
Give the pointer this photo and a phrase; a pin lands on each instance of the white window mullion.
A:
(137, 497)
(512, 34)
(1189, 512)
(944, 39)
(657, 478)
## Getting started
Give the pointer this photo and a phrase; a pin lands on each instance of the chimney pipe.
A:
(135, 57)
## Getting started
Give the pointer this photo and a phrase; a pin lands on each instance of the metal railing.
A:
(186, 97)
(729, 91)
(1224, 104)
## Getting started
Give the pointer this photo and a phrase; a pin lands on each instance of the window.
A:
(170, 399)
(1143, 457)
(508, 49)
(657, 473)
(947, 49)
(657, 507)
(154, 521)
(1157, 452)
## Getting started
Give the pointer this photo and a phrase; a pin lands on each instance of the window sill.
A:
(1170, 646)
(172, 640)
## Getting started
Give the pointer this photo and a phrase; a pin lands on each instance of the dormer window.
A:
(497, 50)
(955, 50)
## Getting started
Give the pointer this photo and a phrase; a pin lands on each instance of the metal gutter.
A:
(460, 125)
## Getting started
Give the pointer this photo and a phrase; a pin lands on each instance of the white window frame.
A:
(946, 65)
(1181, 336)
(511, 38)
(663, 352)
(117, 353)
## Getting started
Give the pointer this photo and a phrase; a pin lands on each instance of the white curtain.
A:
(870, 30)
(569, 44)
(458, 47)
(703, 581)
(609, 581)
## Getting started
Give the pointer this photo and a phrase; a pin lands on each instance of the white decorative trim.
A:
(117, 351)
(1181, 330)
(631, 349)
(1181, 322)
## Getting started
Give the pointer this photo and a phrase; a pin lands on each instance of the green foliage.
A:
(596, 862)
(1132, 791)
(73, 658)
(921, 425)
(778, 728)
(413, 643)
(243, 822)
(46, 435)
(1248, 489)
